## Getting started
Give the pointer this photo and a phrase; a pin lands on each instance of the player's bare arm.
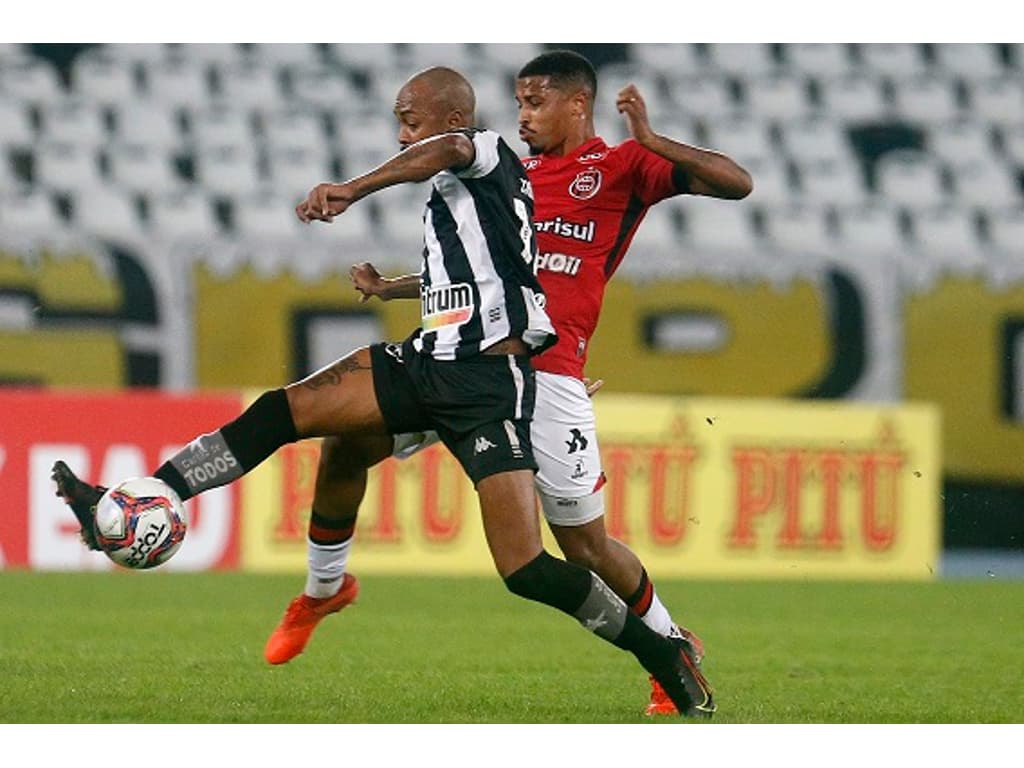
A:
(707, 172)
(418, 162)
(369, 282)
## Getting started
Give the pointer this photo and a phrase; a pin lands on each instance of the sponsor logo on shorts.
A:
(576, 441)
(446, 305)
(482, 444)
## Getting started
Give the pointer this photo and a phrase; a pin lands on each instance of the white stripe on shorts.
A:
(517, 377)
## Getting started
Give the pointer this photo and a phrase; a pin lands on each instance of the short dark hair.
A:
(565, 68)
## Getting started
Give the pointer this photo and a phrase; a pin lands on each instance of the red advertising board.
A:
(104, 438)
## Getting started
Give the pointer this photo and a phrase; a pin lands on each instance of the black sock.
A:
(218, 458)
(580, 593)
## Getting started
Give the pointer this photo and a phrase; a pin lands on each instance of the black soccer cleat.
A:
(684, 682)
(81, 497)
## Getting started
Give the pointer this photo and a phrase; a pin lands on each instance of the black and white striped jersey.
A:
(477, 281)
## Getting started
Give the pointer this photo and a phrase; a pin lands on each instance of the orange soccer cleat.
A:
(300, 619)
(660, 703)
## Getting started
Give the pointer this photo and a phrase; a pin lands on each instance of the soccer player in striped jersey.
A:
(465, 374)
(590, 199)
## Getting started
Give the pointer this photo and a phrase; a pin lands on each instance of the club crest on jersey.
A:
(586, 184)
(445, 305)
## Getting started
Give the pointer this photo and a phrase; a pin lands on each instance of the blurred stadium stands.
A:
(160, 132)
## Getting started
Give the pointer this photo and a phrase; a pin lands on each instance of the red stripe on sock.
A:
(641, 606)
(321, 535)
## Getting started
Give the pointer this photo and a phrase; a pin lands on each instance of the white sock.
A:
(326, 567)
(657, 617)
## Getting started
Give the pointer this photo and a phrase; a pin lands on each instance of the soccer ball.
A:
(140, 522)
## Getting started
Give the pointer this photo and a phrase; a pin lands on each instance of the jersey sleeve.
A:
(485, 159)
(652, 175)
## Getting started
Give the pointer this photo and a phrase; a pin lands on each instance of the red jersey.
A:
(587, 206)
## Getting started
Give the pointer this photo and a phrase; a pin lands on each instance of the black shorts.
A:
(480, 407)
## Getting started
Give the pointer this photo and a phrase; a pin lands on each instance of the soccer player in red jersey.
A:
(589, 200)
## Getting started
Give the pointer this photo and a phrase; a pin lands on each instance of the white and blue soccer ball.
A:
(140, 522)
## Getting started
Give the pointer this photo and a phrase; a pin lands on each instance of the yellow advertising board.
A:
(698, 487)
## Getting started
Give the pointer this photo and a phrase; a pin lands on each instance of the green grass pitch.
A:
(187, 648)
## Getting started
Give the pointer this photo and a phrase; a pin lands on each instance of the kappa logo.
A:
(586, 184)
(482, 444)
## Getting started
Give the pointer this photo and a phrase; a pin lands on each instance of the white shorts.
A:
(564, 436)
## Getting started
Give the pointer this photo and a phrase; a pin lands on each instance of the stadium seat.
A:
(103, 79)
(29, 212)
(718, 227)
(671, 60)
(998, 100)
(777, 97)
(278, 56)
(182, 214)
(1011, 142)
(926, 99)
(365, 141)
(73, 121)
(898, 60)
(208, 54)
(773, 181)
(220, 126)
(798, 229)
(855, 98)
(744, 139)
(368, 57)
(12, 52)
(178, 84)
(742, 59)
(293, 128)
(294, 171)
(831, 182)
(612, 78)
(709, 97)
(509, 56)
(971, 61)
(266, 214)
(325, 88)
(147, 122)
(1006, 230)
(354, 236)
(459, 56)
(227, 171)
(143, 168)
(871, 228)
(909, 177)
(818, 60)
(249, 86)
(961, 143)
(31, 81)
(659, 236)
(382, 88)
(986, 184)
(67, 168)
(815, 140)
(16, 128)
(947, 235)
(108, 213)
(400, 222)
(144, 54)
